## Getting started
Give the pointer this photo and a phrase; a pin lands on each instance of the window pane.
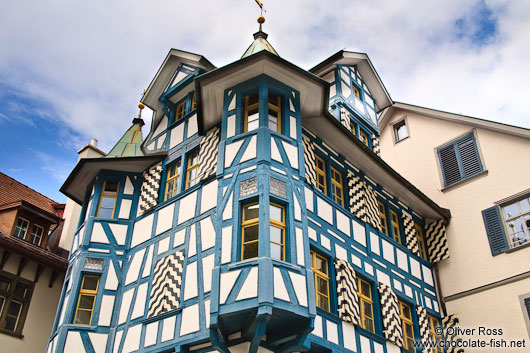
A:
(252, 98)
(2, 301)
(105, 213)
(111, 186)
(250, 250)
(365, 289)
(253, 125)
(510, 210)
(276, 234)
(251, 233)
(14, 308)
(273, 123)
(368, 325)
(90, 283)
(86, 301)
(402, 131)
(276, 251)
(107, 202)
(20, 290)
(251, 212)
(322, 302)
(322, 285)
(321, 265)
(4, 284)
(276, 213)
(406, 311)
(367, 309)
(525, 205)
(83, 317)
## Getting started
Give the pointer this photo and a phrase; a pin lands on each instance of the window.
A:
(36, 234)
(192, 176)
(15, 295)
(320, 168)
(250, 231)
(366, 304)
(364, 138)
(401, 131)
(336, 181)
(434, 333)
(382, 216)
(405, 314)
(251, 112)
(319, 265)
(107, 202)
(277, 231)
(275, 112)
(421, 241)
(353, 127)
(356, 91)
(459, 160)
(394, 220)
(87, 299)
(516, 217)
(21, 228)
(193, 102)
(172, 180)
(180, 111)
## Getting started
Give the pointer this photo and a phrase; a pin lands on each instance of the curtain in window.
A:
(150, 187)
(437, 248)
(309, 159)
(347, 298)
(392, 329)
(167, 283)
(208, 154)
(410, 233)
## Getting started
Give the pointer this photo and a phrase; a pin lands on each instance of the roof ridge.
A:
(31, 189)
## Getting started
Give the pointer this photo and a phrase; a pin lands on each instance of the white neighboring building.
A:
(478, 169)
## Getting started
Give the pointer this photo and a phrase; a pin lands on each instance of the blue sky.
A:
(72, 71)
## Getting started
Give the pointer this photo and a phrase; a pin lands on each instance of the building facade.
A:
(471, 166)
(32, 266)
(255, 216)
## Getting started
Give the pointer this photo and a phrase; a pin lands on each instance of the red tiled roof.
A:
(14, 191)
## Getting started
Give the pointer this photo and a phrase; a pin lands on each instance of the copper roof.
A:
(12, 191)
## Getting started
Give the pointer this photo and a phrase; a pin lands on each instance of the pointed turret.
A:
(260, 42)
(130, 143)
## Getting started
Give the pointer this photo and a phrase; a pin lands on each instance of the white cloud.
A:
(89, 61)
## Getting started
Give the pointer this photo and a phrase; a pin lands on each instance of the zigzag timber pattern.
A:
(167, 284)
(375, 145)
(345, 119)
(410, 233)
(372, 210)
(437, 241)
(423, 323)
(150, 186)
(309, 159)
(449, 323)
(347, 298)
(208, 153)
(392, 328)
(356, 196)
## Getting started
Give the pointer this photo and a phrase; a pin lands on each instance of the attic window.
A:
(401, 131)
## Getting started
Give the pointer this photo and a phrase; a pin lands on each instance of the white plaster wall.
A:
(41, 313)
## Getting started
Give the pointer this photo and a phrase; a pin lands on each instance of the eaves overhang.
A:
(87, 169)
(342, 141)
(210, 86)
(397, 107)
(366, 69)
(25, 205)
(164, 74)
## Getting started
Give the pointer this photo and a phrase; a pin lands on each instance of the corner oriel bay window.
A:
(366, 305)
(382, 216)
(87, 299)
(172, 180)
(250, 231)
(405, 314)
(275, 113)
(192, 176)
(277, 231)
(421, 240)
(394, 220)
(336, 181)
(251, 112)
(434, 333)
(319, 265)
(320, 168)
(107, 201)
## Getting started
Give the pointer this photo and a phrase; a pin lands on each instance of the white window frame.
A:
(520, 215)
(396, 125)
(33, 234)
(27, 227)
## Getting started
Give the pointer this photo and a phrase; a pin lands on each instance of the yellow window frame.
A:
(246, 224)
(363, 136)
(406, 320)
(319, 274)
(382, 216)
(336, 181)
(173, 173)
(87, 293)
(394, 219)
(278, 109)
(180, 111)
(363, 301)
(321, 172)
(421, 241)
(193, 102)
(113, 195)
(191, 167)
(246, 108)
(434, 333)
(356, 91)
(280, 225)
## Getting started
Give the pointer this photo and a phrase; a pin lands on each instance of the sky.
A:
(75, 70)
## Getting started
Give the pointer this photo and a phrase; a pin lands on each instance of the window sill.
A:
(464, 181)
(11, 333)
(403, 139)
(520, 247)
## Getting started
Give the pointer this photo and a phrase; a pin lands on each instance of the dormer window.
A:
(180, 111)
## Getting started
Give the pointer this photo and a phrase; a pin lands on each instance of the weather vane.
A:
(260, 4)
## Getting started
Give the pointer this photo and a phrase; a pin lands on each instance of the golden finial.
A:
(141, 106)
(261, 20)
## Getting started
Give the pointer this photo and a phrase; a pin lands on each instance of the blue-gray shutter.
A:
(469, 156)
(495, 230)
(527, 305)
